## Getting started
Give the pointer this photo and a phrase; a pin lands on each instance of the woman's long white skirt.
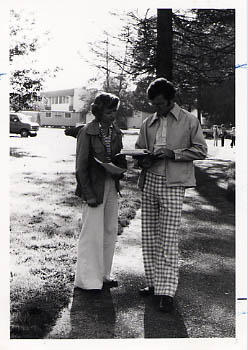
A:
(97, 240)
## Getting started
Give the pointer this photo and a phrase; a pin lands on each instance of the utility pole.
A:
(164, 43)
(107, 63)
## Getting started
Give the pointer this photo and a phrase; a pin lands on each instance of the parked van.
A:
(21, 124)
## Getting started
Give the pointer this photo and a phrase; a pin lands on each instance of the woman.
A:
(100, 139)
(215, 135)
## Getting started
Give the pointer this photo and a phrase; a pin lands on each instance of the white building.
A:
(64, 100)
(63, 107)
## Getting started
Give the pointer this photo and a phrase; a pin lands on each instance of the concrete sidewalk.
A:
(120, 312)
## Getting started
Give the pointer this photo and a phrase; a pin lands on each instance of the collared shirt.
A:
(106, 135)
(174, 112)
(160, 142)
(159, 167)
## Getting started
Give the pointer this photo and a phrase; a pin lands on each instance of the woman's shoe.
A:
(146, 291)
(110, 284)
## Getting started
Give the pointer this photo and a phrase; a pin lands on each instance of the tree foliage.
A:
(203, 52)
(218, 102)
(25, 81)
(203, 56)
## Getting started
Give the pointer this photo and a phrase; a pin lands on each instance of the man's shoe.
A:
(166, 303)
(146, 291)
(110, 284)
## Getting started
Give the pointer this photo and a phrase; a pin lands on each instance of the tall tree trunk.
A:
(199, 107)
(164, 43)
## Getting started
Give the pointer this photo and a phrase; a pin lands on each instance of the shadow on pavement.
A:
(224, 248)
(162, 325)
(92, 315)
(208, 302)
(206, 289)
(207, 175)
(15, 152)
(121, 313)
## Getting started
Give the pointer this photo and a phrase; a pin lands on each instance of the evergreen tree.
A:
(202, 55)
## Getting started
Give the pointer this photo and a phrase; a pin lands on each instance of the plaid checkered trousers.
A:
(161, 216)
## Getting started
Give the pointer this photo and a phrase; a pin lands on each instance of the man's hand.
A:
(146, 161)
(92, 202)
(164, 153)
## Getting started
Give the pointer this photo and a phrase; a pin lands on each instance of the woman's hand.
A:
(92, 202)
(117, 177)
(164, 153)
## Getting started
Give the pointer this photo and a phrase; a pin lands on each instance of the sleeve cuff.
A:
(178, 154)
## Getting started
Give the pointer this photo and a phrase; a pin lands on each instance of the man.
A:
(222, 134)
(174, 138)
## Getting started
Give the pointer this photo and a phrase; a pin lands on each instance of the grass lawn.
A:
(45, 224)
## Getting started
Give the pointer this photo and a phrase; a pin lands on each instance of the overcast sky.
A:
(72, 24)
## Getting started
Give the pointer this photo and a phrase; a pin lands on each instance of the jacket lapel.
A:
(152, 128)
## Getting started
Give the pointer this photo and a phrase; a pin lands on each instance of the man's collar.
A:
(174, 112)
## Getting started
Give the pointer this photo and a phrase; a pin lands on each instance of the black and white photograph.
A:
(126, 216)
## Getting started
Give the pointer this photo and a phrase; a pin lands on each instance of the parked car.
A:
(21, 124)
(228, 134)
(207, 132)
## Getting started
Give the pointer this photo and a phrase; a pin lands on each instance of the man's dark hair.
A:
(161, 86)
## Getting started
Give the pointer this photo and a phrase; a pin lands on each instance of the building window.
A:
(67, 115)
(56, 100)
(66, 99)
(60, 99)
(58, 115)
(48, 114)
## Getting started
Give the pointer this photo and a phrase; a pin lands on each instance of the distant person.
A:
(101, 139)
(232, 137)
(38, 119)
(222, 134)
(215, 135)
(174, 137)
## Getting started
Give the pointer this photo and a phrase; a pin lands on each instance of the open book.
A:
(134, 152)
(111, 168)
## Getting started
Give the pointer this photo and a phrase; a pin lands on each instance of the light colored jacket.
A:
(184, 136)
